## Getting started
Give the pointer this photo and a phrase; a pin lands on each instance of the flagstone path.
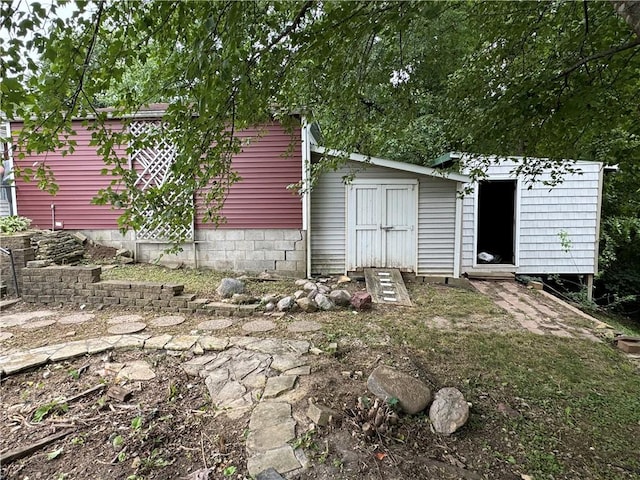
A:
(248, 375)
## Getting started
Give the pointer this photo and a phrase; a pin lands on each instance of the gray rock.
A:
(323, 302)
(387, 383)
(308, 286)
(449, 411)
(270, 307)
(324, 288)
(123, 252)
(243, 299)
(340, 297)
(269, 474)
(321, 415)
(271, 297)
(285, 304)
(307, 305)
(229, 286)
(301, 282)
(299, 294)
(312, 293)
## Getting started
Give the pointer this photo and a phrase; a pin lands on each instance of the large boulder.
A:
(229, 286)
(361, 300)
(323, 302)
(340, 297)
(308, 286)
(449, 411)
(386, 383)
(285, 304)
(307, 304)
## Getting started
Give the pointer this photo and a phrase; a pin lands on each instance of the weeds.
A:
(54, 407)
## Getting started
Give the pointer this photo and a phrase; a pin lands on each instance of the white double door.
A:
(381, 224)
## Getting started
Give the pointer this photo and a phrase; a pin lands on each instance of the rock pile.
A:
(58, 247)
(448, 412)
(311, 296)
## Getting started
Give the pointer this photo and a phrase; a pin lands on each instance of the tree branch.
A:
(595, 56)
(292, 27)
(87, 59)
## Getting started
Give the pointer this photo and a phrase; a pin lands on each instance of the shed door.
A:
(381, 225)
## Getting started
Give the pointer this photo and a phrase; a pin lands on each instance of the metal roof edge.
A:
(393, 164)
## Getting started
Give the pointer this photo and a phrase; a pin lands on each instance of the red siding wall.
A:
(78, 177)
(259, 200)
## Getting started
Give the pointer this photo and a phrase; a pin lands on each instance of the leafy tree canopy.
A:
(408, 80)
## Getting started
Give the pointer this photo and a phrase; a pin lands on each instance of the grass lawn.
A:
(543, 406)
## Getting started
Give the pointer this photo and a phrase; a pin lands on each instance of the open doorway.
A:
(496, 221)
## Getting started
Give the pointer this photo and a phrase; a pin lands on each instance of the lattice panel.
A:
(153, 167)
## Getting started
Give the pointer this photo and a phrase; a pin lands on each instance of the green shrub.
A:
(14, 224)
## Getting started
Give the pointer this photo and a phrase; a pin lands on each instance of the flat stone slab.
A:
(215, 324)
(259, 326)
(138, 370)
(304, 326)
(283, 363)
(70, 350)
(76, 318)
(167, 321)
(23, 361)
(213, 343)
(38, 324)
(273, 436)
(124, 328)
(158, 342)
(16, 319)
(278, 385)
(267, 414)
(281, 459)
(5, 336)
(124, 319)
(181, 342)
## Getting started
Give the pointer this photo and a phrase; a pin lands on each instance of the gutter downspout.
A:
(306, 194)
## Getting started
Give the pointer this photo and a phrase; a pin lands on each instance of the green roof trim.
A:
(444, 159)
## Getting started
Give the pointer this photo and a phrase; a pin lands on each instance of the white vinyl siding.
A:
(545, 214)
(328, 225)
(436, 227)
(436, 219)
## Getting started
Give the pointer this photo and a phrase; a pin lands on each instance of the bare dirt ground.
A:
(168, 428)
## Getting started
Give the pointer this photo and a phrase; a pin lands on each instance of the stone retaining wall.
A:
(20, 246)
(81, 285)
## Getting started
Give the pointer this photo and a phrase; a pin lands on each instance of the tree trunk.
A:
(629, 10)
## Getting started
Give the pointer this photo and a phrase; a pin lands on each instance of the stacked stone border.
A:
(20, 247)
(82, 285)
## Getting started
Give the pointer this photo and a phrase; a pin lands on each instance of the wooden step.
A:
(490, 275)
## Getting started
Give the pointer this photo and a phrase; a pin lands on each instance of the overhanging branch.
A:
(595, 56)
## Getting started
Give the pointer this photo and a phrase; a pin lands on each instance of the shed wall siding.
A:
(570, 207)
(267, 166)
(78, 178)
(436, 226)
(436, 219)
(259, 200)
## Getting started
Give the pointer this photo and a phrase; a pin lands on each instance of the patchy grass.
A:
(201, 282)
(621, 324)
(573, 406)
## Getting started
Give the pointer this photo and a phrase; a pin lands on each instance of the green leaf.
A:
(54, 454)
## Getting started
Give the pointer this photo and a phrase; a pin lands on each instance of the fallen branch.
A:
(89, 391)
(18, 453)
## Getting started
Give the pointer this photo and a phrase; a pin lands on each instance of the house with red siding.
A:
(388, 214)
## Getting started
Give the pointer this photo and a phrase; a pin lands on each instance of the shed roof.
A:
(402, 166)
